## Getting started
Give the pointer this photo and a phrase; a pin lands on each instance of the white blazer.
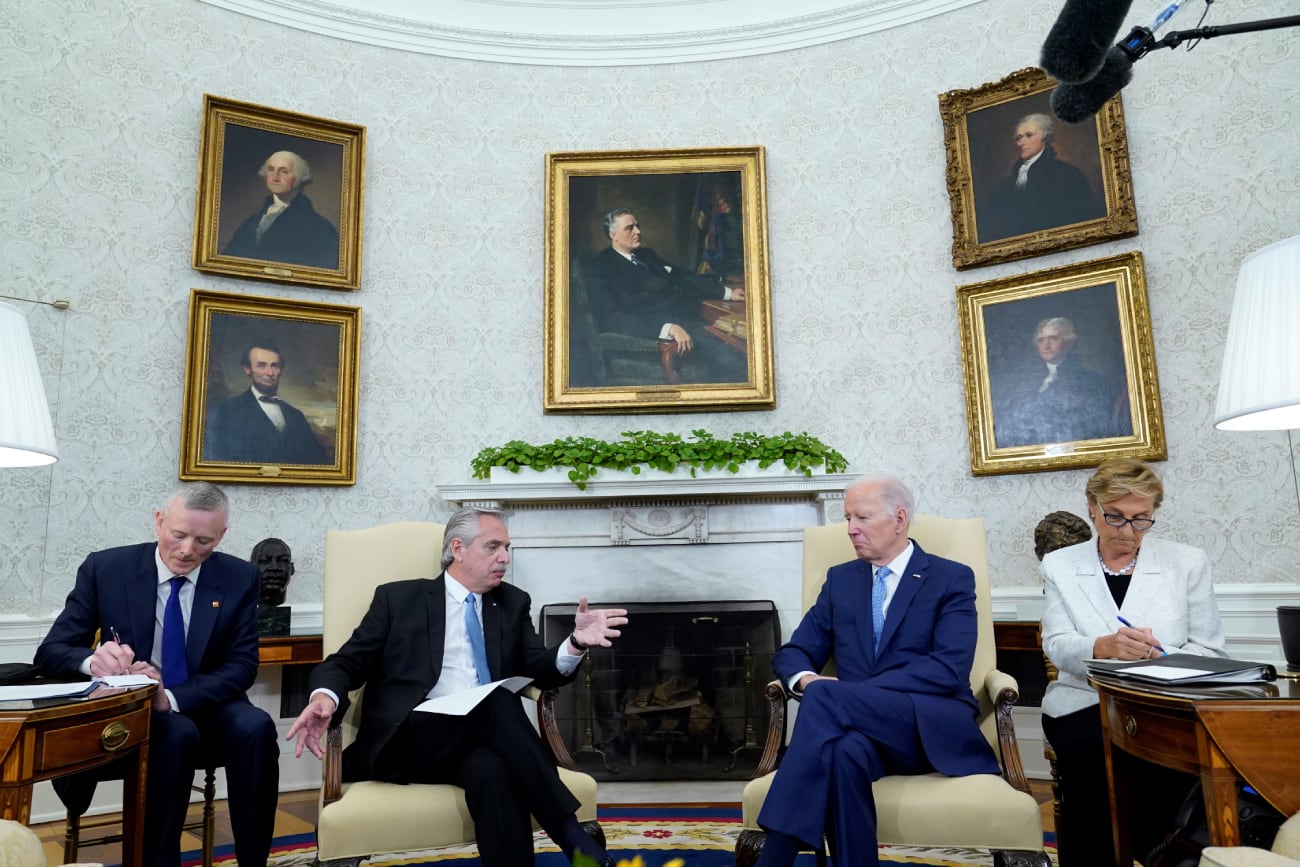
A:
(1172, 592)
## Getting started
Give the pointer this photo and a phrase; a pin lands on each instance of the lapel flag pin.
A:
(217, 603)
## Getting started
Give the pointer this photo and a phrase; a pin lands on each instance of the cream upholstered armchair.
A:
(361, 819)
(981, 811)
(1285, 852)
(21, 847)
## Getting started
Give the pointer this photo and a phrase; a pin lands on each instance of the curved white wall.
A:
(593, 32)
(101, 103)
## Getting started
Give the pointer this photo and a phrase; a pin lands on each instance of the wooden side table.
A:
(1222, 734)
(289, 650)
(48, 738)
(297, 653)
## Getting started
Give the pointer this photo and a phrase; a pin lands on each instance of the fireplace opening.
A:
(678, 697)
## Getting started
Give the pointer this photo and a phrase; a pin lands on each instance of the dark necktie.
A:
(639, 262)
(266, 399)
(878, 591)
(476, 645)
(174, 670)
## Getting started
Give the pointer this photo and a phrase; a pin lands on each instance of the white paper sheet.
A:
(461, 703)
(43, 690)
(1167, 672)
(127, 680)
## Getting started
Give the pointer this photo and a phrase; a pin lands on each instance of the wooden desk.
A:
(295, 653)
(726, 321)
(48, 738)
(1222, 734)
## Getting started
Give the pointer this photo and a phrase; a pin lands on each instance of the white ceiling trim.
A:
(591, 32)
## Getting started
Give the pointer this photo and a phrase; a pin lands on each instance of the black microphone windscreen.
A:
(1075, 103)
(1077, 44)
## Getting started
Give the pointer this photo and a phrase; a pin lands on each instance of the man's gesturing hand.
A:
(311, 724)
(596, 628)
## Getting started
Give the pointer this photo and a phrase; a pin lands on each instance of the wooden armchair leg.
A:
(749, 845)
(668, 361)
(595, 832)
(71, 836)
(209, 814)
(1020, 858)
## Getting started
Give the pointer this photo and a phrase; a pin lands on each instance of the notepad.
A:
(1184, 668)
(33, 691)
(461, 703)
(129, 681)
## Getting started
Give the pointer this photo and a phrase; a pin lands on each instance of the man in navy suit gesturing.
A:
(185, 615)
(901, 625)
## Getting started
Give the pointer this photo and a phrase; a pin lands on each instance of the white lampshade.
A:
(26, 434)
(1259, 388)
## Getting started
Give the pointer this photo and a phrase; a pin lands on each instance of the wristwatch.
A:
(573, 639)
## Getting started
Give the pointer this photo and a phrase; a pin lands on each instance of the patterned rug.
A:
(703, 836)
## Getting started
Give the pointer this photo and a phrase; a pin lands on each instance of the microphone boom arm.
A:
(1177, 37)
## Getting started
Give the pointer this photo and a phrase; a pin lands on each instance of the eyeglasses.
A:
(1140, 525)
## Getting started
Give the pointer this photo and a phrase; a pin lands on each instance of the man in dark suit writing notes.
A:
(185, 615)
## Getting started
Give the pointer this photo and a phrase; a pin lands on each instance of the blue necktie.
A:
(476, 645)
(878, 603)
(173, 638)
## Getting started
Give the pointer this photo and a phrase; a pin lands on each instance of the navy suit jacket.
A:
(396, 653)
(638, 299)
(926, 650)
(118, 589)
(238, 430)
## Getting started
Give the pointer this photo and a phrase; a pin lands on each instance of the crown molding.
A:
(591, 32)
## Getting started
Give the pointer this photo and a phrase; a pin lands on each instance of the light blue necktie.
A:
(878, 603)
(174, 669)
(476, 645)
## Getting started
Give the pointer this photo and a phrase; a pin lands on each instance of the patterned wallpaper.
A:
(102, 100)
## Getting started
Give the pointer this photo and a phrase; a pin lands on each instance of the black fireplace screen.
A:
(678, 697)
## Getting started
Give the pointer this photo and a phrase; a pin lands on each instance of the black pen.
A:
(116, 639)
(1121, 619)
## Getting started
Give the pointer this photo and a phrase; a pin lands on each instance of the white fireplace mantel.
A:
(667, 509)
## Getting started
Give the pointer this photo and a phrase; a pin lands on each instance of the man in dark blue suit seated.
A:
(901, 626)
(183, 614)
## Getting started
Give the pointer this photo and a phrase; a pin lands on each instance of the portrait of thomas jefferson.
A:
(1055, 378)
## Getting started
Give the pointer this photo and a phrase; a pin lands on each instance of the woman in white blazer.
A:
(1165, 590)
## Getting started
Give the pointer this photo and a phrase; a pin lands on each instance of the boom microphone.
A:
(1075, 49)
(1075, 103)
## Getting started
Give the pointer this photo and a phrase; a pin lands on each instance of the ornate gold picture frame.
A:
(1076, 188)
(301, 355)
(279, 196)
(1060, 368)
(657, 294)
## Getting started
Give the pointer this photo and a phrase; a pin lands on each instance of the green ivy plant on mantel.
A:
(663, 451)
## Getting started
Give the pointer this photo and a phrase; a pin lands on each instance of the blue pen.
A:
(1121, 619)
